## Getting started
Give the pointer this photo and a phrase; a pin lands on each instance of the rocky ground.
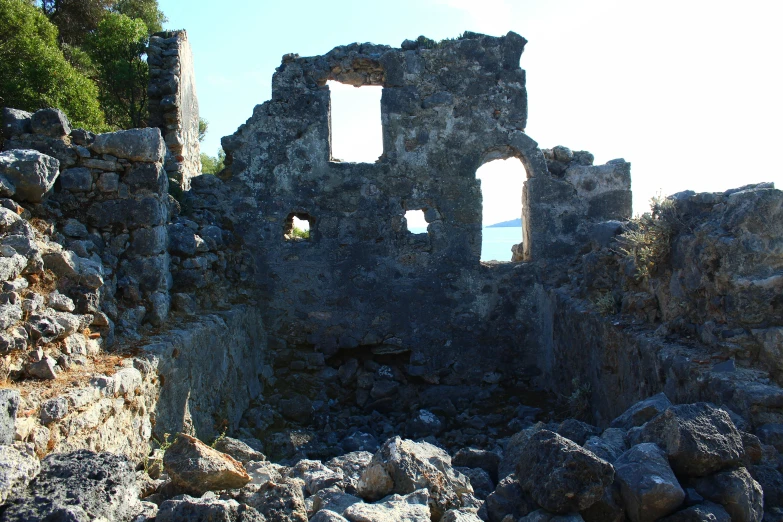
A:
(656, 461)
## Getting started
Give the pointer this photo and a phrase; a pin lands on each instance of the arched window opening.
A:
(356, 131)
(502, 181)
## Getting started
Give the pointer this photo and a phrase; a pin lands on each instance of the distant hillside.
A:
(512, 223)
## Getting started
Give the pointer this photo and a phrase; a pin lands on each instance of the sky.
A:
(688, 91)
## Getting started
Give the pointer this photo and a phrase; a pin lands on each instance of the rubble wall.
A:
(173, 104)
(363, 281)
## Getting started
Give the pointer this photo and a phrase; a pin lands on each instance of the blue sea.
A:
(496, 242)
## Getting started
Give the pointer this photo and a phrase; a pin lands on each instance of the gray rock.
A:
(238, 449)
(642, 411)
(9, 405)
(700, 513)
(135, 144)
(478, 458)
(352, 465)
(508, 499)
(698, 439)
(736, 491)
(541, 515)
(108, 182)
(561, 476)
(11, 265)
(647, 484)
(53, 410)
(74, 228)
(15, 122)
(454, 515)
(43, 369)
(609, 508)
(31, 173)
(360, 441)
(771, 482)
(315, 475)
(262, 472)
(771, 434)
(61, 302)
(76, 180)
(206, 510)
(50, 122)
(327, 516)
(18, 466)
(480, 481)
(403, 466)
(610, 445)
(423, 424)
(395, 508)
(513, 450)
(81, 485)
(576, 431)
(194, 466)
(276, 501)
(333, 499)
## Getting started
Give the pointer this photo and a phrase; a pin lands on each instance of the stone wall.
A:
(173, 104)
(363, 281)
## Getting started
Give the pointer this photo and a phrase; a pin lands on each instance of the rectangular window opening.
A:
(356, 130)
(297, 227)
(415, 221)
(501, 191)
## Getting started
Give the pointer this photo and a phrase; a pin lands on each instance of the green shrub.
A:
(298, 233)
(647, 238)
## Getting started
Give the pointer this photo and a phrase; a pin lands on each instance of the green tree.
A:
(34, 73)
(75, 19)
(203, 126)
(211, 164)
(117, 48)
(145, 10)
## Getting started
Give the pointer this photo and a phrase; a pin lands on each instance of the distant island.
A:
(511, 223)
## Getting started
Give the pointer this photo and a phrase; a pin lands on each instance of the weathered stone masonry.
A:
(362, 280)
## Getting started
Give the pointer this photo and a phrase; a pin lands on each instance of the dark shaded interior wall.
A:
(363, 281)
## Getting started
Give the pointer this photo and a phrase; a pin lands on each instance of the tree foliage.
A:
(145, 10)
(211, 164)
(34, 72)
(117, 49)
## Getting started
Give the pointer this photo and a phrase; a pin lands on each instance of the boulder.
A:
(206, 510)
(333, 499)
(238, 449)
(30, 173)
(479, 480)
(561, 476)
(15, 122)
(576, 431)
(455, 515)
(641, 412)
(352, 465)
(136, 144)
(508, 499)
(698, 439)
(50, 122)
(514, 449)
(315, 475)
(413, 507)
(81, 485)
(9, 405)
(277, 501)
(609, 508)
(736, 491)
(18, 466)
(327, 516)
(610, 445)
(76, 180)
(771, 482)
(541, 515)
(478, 458)
(648, 486)
(700, 513)
(771, 434)
(404, 466)
(195, 467)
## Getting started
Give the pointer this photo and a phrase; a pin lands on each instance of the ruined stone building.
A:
(236, 325)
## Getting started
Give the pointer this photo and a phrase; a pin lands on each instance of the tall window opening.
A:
(501, 190)
(356, 123)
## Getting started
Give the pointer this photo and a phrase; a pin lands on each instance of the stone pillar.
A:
(173, 104)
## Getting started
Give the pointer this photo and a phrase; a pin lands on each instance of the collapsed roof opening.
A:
(502, 182)
(356, 131)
